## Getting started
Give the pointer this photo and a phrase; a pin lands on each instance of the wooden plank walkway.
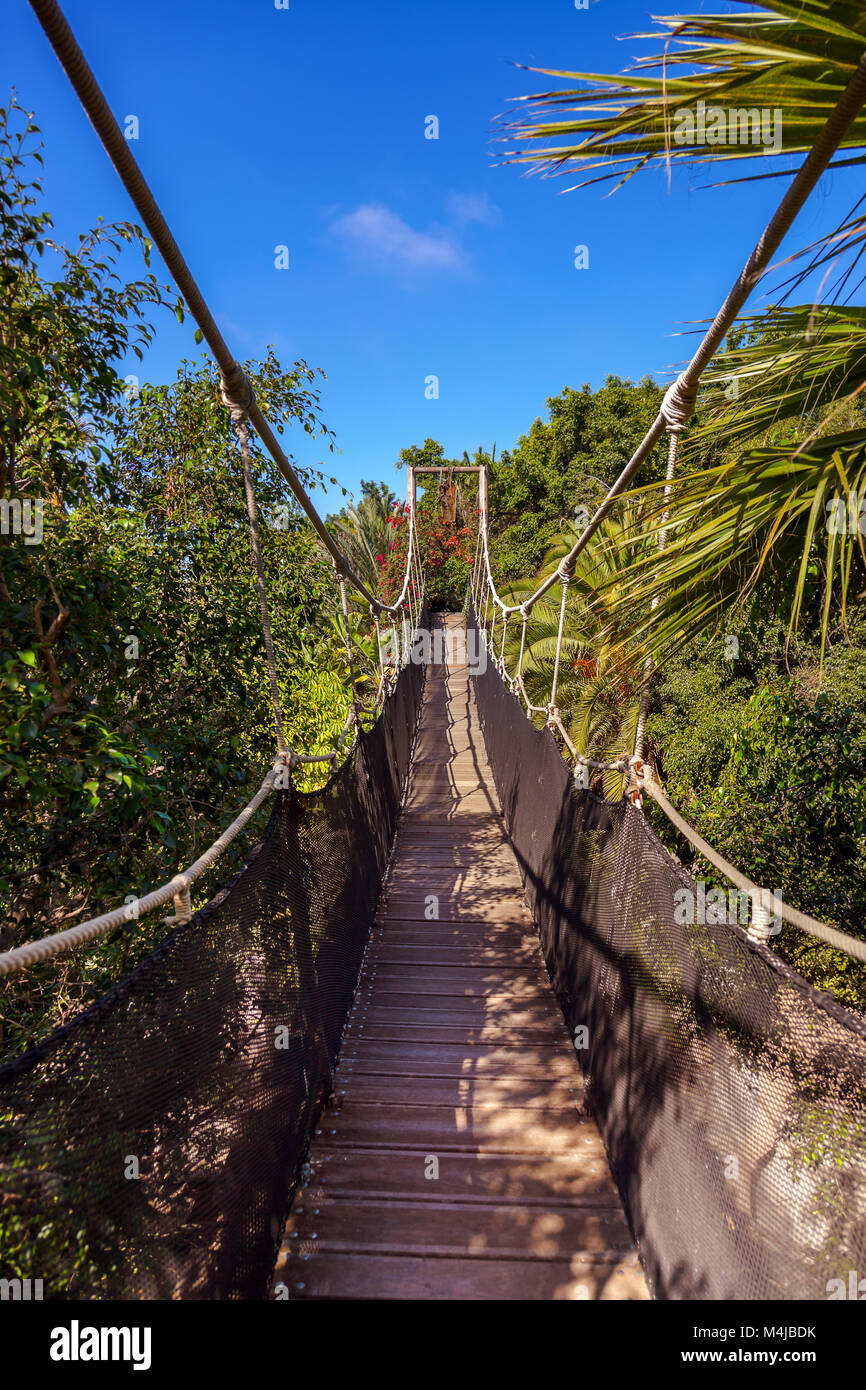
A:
(456, 1162)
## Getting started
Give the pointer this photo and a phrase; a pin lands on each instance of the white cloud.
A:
(383, 236)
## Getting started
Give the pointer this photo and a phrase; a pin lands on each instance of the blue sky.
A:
(408, 257)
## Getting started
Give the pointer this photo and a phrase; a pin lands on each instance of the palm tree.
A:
(363, 530)
(789, 424)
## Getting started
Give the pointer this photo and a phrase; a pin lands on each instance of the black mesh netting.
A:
(203, 1070)
(730, 1094)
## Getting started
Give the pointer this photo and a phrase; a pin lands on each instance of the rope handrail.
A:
(801, 920)
(237, 388)
(22, 957)
(177, 888)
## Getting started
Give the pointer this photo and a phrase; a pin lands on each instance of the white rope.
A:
(383, 677)
(552, 710)
(353, 708)
(801, 920)
(242, 429)
(22, 957)
(519, 676)
(673, 442)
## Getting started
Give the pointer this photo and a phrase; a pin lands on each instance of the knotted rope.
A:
(678, 405)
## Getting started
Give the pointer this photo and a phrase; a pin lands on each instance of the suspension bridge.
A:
(443, 1035)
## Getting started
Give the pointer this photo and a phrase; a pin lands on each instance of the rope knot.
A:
(638, 772)
(236, 391)
(678, 405)
(565, 568)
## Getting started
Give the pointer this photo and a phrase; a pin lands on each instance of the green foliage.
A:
(137, 721)
(135, 716)
(565, 464)
(790, 427)
(363, 530)
(772, 775)
(60, 337)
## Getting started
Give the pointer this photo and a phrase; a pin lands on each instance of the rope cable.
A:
(673, 441)
(801, 920)
(344, 602)
(243, 433)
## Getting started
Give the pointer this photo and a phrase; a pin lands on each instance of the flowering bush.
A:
(447, 552)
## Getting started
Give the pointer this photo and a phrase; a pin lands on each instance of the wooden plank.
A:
(393, 953)
(515, 1092)
(380, 1276)
(466, 852)
(396, 932)
(531, 1179)
(470, 906)
(475, 1013)
(391, 988)
(425, 1228)
(473, 1128)
(456, 976)
(395, 910)
(424, 1031)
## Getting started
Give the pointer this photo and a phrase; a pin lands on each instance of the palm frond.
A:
(794, 59)
(795, 513)
(785, 365)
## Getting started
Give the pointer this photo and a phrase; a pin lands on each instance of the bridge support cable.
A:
(641, 782)
(242, 428)
(674, 432)
(353, 709)
(23, 957)
(383, 674)
(552, 711)
(518, 679)
(801, 920)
